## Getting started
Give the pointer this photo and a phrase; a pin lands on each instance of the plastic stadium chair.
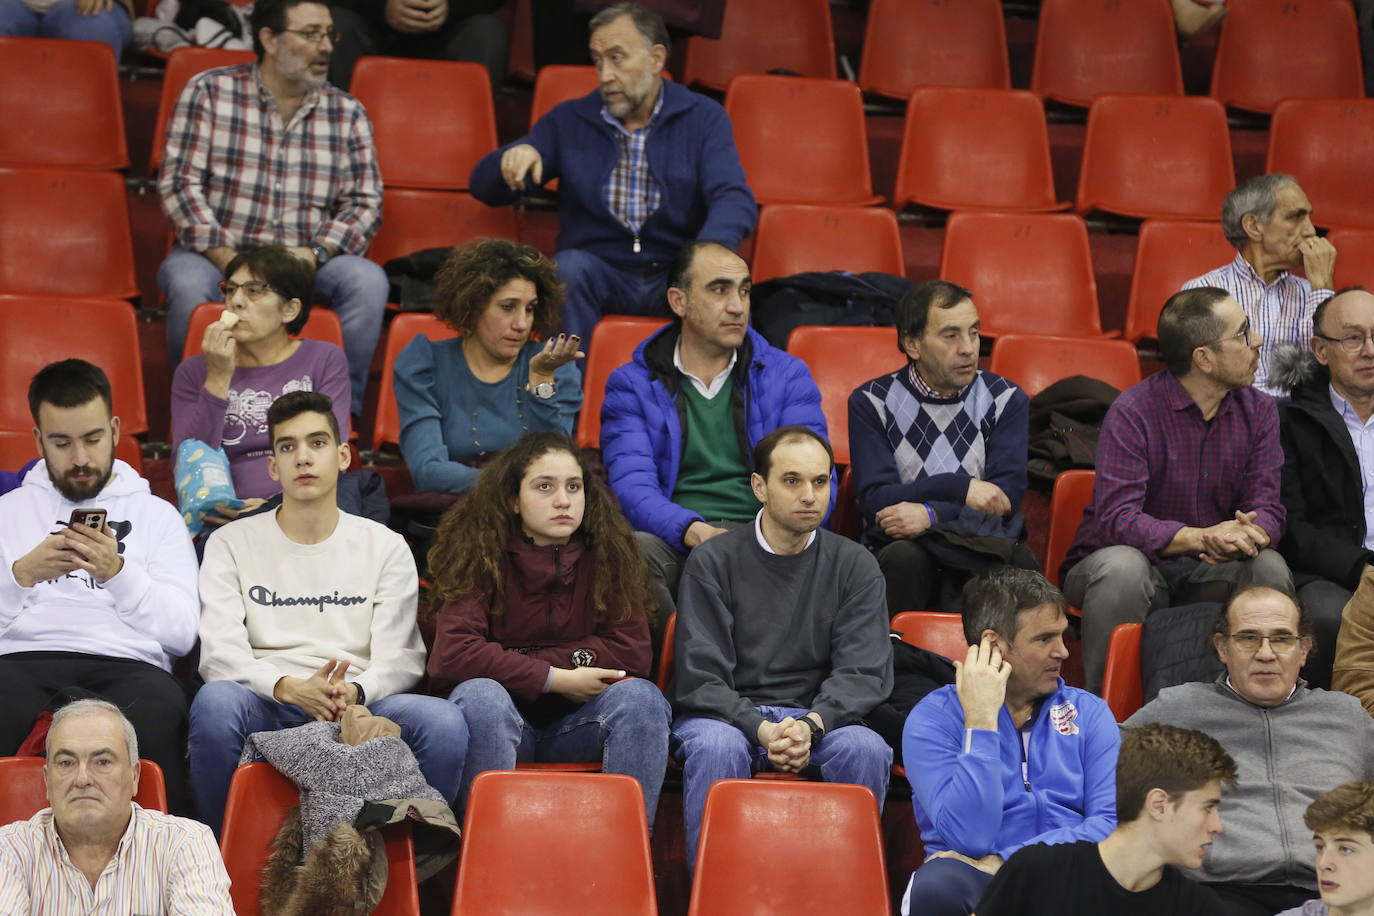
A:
(935, 631)
(17, 449)
(1035, 362)
(828, 834)
(795, 238)
(386, 428)
(1073, 492)
(259, 798)
(1030, 273)
(586, 831)
(1271, 50)
(321, 325)
(910, 44)
(23, 793)
(433, 119)
(1324, 143)
(60, 104)
(751, 41)
(416, 220)
(39, 330)
(801, 141)
(975, 149)
(664, 675)
(184, 63)
(1355, 260)
(1087, 47)
(558, 83)
(841, 359)
(613, 343)
(1168, 254)
(1121, 686)
(1156, 156)
(65, 233)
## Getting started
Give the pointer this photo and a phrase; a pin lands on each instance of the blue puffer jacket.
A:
(642, 421)
(692, 158)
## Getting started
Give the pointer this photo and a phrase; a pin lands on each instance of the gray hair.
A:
(992, 601)
(1258, 195)
(647, 22)
(79, 708)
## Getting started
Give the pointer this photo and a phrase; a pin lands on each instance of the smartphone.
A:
(88, 518)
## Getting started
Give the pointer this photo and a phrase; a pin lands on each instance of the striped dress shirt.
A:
(1280, 311)
(163, 865)
(631, 192)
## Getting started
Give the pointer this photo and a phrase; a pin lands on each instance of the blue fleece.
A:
(967, 789)
(641, 434)
(692, 159)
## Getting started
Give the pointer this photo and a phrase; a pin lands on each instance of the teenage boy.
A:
(1342, 825)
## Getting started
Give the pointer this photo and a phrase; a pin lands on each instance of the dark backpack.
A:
(831, 297)
(1065, 421)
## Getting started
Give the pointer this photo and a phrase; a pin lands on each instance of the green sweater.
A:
(713, 478)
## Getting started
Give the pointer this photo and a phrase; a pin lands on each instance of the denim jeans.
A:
(354, 287)
(595, 288)
(625, 727)
(61, 20)
(225, 713)
(710, 749)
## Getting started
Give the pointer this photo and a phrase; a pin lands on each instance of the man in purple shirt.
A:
(1186, 502)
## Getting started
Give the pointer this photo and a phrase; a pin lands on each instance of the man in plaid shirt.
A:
(270, 154)
(1186, 502)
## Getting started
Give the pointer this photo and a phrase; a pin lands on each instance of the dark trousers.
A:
(150, 697)
(479, 38)
(1261, 899)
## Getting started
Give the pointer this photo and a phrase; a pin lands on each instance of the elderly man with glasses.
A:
(1290, 743)
(1186, 502)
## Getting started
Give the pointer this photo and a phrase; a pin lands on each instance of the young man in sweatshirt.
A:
(306, 611)
(781, 642)
(93, 610)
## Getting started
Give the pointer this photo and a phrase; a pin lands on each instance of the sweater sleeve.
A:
(731, 208)
(860, 651)
(160, 599)
(420, 408)
(958, 783)
(464, 649)
(196, 413)
(226, 654)
(397, 652)
(486, 182)
(558, 413)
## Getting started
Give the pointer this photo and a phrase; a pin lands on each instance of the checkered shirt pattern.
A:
(1281, 311)
(233, 176)
(630, 192)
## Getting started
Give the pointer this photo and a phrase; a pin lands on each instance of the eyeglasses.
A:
(1350, 343)
(315, 36)
(1249, 643)
(253, 289)
(1243, 335)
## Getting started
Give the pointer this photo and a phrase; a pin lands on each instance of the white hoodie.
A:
(148, 611)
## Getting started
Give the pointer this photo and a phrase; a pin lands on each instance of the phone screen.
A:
(87, 518)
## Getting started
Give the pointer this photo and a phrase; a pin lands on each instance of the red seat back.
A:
(1087, 47)
(322, 325)
(612, 345)
(184, 63)
(1355, 260)
(1073, 492)
(386, 427)
(60, 105)
(559, 83)
(1271, 50)
(794, 238)
(934, 631)
(910, 44)
(416, 220)
(1121, 686)
(1324, 144)
(1035, 361)
(751, 41)
(841, 359)
(17, 449)
(1168, 254)
(23, 792)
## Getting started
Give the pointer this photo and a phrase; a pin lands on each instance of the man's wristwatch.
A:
(817, 732)
(321, 253)
(362, 695)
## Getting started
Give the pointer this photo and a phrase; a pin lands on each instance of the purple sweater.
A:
(239, 424)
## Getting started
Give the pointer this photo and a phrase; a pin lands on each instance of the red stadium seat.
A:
(1324, 144)
(1270, 50)
(23, 792)
(40, 330)
(613, 343)
(1168, 254)
(841, 359)
(1354, 257)
(587, 832)
(1030, 273)
(934, 631)
(183, 64)
(910, 44)
(60, 104)
(65, 233)
(975, 149)
(386, 427)
(795, 238)
(751, 41)
(559, 83)
(321, 325)
(1035, 362)
(1087, 47)
(416, 220)
(17, 449)
(829, 835)
(801, 140)
(1073, 492)
(1156, 156)
(1121, 686)
(433, 119)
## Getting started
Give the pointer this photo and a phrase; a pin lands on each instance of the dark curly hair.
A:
(475, 271)
(468, 556)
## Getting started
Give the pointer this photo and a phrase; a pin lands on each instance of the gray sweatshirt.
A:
(808, 630)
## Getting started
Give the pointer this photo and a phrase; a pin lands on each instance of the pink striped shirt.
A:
(163, 865)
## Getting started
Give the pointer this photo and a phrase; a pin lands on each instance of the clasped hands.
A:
(324, 695)
(1233, 539)
(788, 743)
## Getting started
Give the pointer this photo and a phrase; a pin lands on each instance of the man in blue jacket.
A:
(644, 166)
(681, 419)
(1008, 756)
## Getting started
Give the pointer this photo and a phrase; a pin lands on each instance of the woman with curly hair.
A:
(544, 627)
(462, 400)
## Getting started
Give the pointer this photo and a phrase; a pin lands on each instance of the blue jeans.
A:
(225, 713)
(709, 749)
(595, 288)
(944, 887)
(61, 20)
(353, 287)
(625, 727)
